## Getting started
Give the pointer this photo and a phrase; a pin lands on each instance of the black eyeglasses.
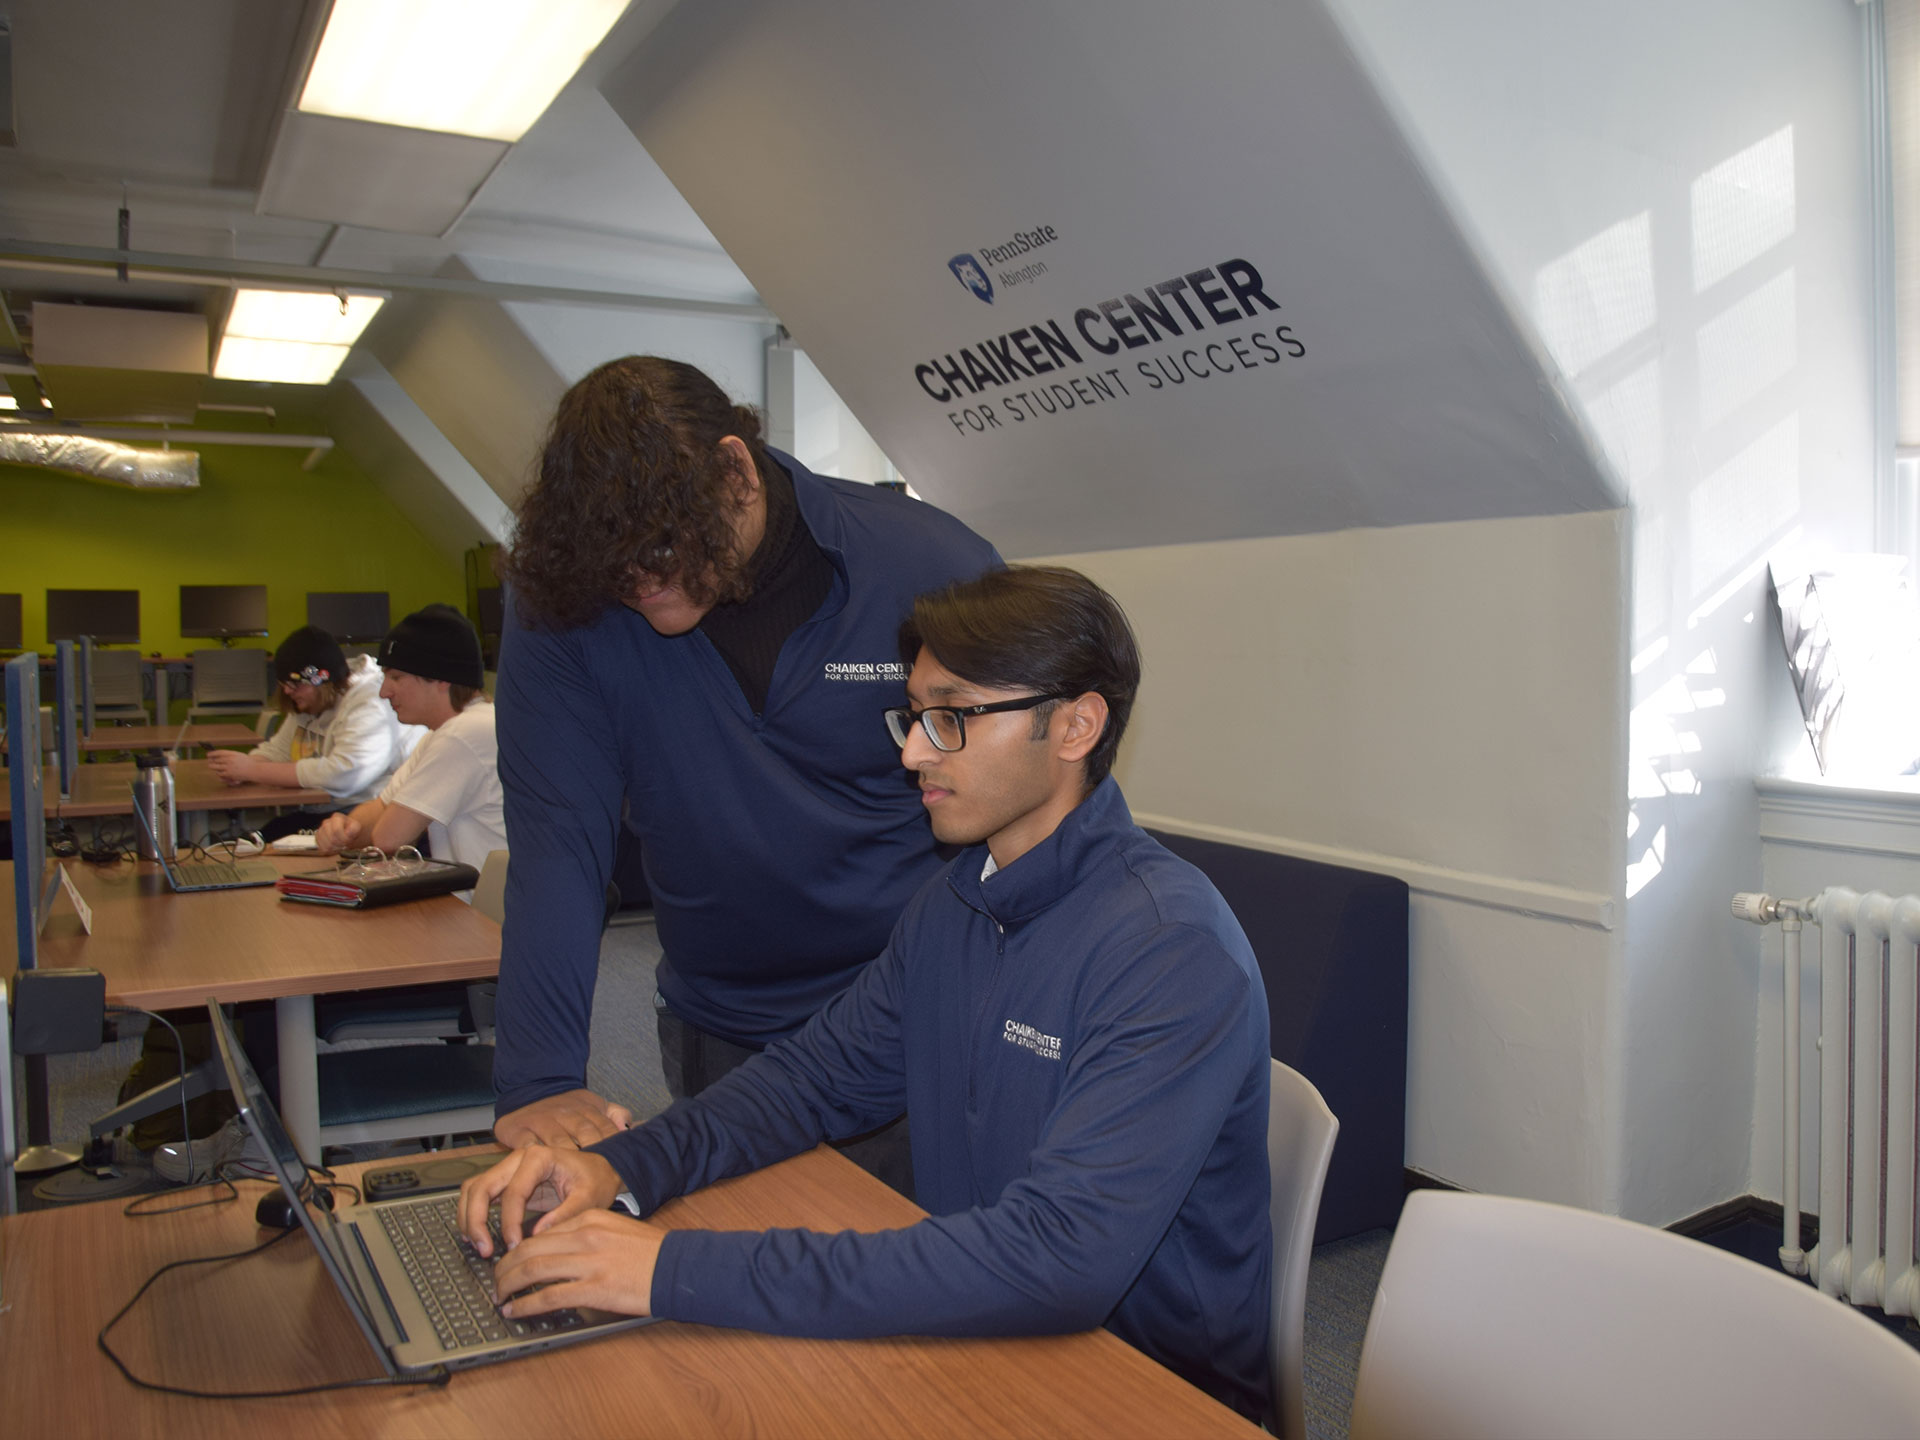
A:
(946, 725)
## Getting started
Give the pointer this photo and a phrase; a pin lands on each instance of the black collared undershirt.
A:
(790, 576)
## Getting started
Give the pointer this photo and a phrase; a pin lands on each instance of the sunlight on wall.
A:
(1742, 208)
(1743, 504)
(1599, 295)
(1749, 346)
(1678, 348)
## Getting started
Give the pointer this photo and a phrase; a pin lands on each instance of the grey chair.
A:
(231, 683)
(1300, 1135)
(1501, 1319)
(118, 689)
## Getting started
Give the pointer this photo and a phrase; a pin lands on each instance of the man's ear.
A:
(1085, 721)
(741, 470)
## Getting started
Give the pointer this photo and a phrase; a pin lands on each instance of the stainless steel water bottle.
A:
(153, 799)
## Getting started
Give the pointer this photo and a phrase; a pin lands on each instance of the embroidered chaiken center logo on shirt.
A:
(890, 672)
(1047, 1047)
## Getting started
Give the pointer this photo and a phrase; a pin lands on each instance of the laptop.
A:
(419, 1292)
(207, 874)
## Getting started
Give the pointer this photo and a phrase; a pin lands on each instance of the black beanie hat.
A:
(436, 643)
(312, 655)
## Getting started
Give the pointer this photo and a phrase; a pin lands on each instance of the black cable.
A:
(438, 1377)
(180, 1068)
(133, 1211)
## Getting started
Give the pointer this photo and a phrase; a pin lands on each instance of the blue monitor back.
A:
(29, 821)
(66, 716)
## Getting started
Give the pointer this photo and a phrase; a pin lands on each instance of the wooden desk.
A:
(160, 737)
(107, 789)
(274, 1321)
(159, 950)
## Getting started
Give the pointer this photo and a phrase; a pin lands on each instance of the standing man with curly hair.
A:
(702, 633)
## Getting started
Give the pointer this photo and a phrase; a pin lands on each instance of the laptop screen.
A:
(260, 1115)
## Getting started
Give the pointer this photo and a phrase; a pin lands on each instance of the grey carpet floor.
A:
(626, 1068)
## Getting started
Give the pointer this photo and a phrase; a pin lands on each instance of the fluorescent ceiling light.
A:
(7, 402)
(471, 67)
(294, 337)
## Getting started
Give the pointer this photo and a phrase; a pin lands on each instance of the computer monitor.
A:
(222, 612)
(85, 667)
(350, 616)
(490, 610)
(31, 895)
(13, 631)
(111, 617)
(66, 713)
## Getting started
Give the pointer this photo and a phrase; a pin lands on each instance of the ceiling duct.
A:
(103, 460)
(99, 362)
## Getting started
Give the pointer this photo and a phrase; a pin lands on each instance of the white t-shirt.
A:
(453, 778)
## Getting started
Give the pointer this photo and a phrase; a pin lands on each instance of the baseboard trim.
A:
(1743, 1210)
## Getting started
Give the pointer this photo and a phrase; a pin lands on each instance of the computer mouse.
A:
(276, 1212)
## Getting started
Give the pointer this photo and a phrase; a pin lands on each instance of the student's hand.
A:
(336, 833)
(574, 1118)
(569, 1181)
(596, 1258)
(231, 766)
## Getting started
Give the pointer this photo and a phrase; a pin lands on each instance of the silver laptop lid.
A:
(265, 1122)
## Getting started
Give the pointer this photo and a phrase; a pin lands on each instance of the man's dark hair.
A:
(632, 480)
(1042, 628)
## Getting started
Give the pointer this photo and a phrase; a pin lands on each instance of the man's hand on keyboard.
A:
(576, 1181)
(594, 1259)
(575, 1117)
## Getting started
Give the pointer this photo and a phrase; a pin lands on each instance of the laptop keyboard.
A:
(205, 874)
(454, 1281)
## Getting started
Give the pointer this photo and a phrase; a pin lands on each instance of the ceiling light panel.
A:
(292, 337)
(319, 316)
(285, 362)
(486, 68)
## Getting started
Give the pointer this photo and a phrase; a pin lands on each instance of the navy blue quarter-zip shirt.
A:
(780, 845)
(1080, 1041)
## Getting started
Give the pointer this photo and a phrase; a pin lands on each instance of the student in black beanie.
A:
(449, 788)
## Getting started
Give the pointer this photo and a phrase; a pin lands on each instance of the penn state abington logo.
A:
(968, 272)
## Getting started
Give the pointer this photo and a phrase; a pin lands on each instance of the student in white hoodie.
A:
(340, 735)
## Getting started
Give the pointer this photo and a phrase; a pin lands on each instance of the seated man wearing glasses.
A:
(339, 736)
(1070, 1015)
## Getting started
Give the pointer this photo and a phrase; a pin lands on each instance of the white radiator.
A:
(1869, 1025)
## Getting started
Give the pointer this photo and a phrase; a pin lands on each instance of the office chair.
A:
(232, 683)
(1300, 1135)
(118, 693)
(1503, 1318)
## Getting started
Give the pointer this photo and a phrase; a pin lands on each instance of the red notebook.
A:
(381, 882)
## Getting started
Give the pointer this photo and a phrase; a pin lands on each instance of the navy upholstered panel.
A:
(1332, 946)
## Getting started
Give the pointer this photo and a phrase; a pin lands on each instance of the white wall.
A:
(1675, 193)
(1440, 702)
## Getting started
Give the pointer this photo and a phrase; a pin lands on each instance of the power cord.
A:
(437, 1377)
(180, 1066)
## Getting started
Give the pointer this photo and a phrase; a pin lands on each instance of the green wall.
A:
(256, 519)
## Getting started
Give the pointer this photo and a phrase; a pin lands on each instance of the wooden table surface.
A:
(149, 737)
(159, 950)
(275, 1321)
(106, 788)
